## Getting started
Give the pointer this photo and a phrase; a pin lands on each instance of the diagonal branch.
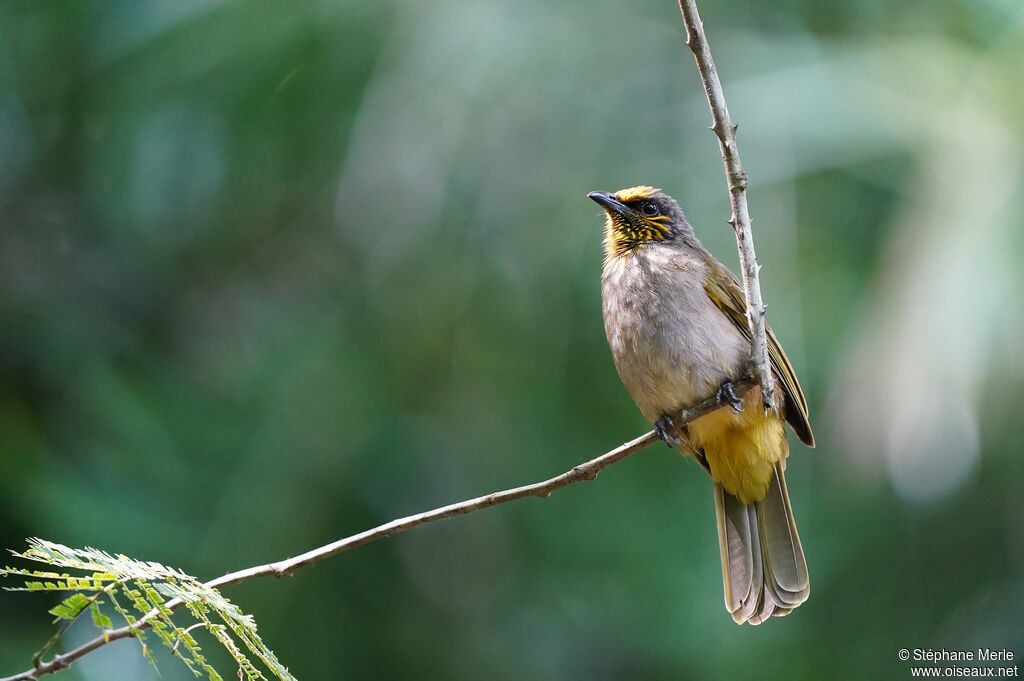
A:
(736, 177)
(285, 568)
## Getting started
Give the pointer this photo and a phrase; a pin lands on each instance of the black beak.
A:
(609, 202)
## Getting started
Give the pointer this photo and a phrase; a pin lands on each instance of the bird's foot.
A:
(666, 430)
(726, 395)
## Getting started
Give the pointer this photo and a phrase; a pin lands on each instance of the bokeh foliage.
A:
(271, 273)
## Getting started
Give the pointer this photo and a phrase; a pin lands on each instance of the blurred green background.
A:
(272, 273)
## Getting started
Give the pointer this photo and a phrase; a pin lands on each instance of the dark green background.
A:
(275, 272)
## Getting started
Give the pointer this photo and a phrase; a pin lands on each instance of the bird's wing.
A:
(724, 290)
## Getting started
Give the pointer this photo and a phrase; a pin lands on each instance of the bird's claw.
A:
(726, 395)
(666, 430)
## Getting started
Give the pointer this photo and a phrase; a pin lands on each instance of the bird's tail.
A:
(763, 566)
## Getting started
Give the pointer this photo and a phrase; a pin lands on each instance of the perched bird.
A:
(676, 322)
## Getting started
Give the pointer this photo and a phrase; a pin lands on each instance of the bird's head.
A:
(639, 216)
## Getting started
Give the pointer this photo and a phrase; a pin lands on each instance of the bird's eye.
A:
(649, 208)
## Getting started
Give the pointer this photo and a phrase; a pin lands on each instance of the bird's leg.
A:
(726, 395)
(666, 430)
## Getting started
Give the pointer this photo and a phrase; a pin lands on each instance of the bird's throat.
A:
(625, 239)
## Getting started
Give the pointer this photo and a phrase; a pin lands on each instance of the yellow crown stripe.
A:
(637, 193)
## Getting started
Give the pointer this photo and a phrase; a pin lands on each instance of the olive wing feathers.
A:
(725, 291)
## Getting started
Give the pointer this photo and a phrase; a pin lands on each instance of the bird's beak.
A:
(609, 202)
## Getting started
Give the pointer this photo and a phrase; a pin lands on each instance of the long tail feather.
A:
(764, 571)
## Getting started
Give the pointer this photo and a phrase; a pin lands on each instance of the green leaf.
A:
(98, 618)
(70, 607)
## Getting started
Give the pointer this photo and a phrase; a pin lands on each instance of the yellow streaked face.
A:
(635, 216)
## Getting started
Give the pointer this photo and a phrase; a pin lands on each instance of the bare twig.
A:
(736, 177)
(197, 625)
(285, 568)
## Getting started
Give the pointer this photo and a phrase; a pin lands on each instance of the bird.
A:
(676, 322)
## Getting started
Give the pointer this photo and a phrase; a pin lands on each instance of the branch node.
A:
(738, 181)
(692, 39)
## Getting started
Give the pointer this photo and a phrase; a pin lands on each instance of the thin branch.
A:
(736, 177)
(285, 568)
(197, 625)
